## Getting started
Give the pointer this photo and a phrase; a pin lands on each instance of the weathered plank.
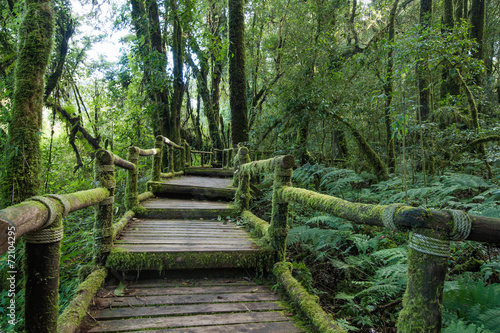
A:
(273, 327)
(185, 241)
(158, 283)
(161, 203)
(200, 181)
(186, 299)
(186, 248)
(170, 310)
(187, 290)
(186, 321)
(211, 172)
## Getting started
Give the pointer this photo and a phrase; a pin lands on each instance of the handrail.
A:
(40, 220)
(429, 241)
(29, 215)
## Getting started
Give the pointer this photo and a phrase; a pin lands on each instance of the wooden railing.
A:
(40, 219)
(429, 238)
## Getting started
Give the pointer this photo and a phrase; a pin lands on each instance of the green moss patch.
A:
(161, 261)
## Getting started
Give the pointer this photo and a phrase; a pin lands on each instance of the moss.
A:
(301, 299)
(132, 177)
(260, 226)
(103, 224)
(423, 299)
(23, 162)
(120, 225)
(120, 259)
(278, 230)
(72, 316)
(156, 173)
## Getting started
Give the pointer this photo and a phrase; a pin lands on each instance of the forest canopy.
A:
(379, 101)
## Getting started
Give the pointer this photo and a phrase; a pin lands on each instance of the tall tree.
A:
(388, 91)
(23, 162)
(237, 75)
(423, 81)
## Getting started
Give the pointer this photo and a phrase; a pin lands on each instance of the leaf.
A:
(120, 290)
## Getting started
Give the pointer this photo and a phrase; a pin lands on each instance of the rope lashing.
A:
(45, 236)
(51, 206)
(388, 216)
(462, 224)
(429, 245)
(64, 202)
(107, 167)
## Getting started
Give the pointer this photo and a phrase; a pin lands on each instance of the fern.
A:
(473, 302)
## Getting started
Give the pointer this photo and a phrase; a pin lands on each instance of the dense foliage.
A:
(380, 101)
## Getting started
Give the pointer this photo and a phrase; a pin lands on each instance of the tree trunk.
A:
(422, 78)
(23, 163)
(177, 97)
(449, 86)
(388, 89)
(237, 75)
(477, 15)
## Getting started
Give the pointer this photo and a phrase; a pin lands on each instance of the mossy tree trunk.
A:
(237, 74)
(388, 89)
(449, 85)
(23, 160)
(154, 62)
(201, 73)
(422, 75)
(178, 91)
(379, 167)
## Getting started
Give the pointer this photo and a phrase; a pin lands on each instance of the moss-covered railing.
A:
(430, 233)
(40, 220)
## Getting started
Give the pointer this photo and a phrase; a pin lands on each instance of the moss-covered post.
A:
(132, 176)
(157, 159)
(183, 158)
(423, 299)
(171, 159)
(242, 180)
(43, 252)
(278, 230)
(187, 154)
(103, 224)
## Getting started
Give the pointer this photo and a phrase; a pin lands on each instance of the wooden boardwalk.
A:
(186, 235)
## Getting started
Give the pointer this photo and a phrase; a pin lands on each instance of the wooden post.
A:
(43, 252)
(278, 230)
(183, 157)
(187, 154)
(242, 181)
(212, 158)
(157, 159)
(132, 176)
(103, 225)
(423, 299)
(171, 162)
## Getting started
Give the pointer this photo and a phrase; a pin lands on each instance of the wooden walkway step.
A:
(165, 208)
(161, 244)
(209, 172)
(203, 188)
(191, 306)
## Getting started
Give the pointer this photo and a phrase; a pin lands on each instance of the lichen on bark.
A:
(23, 159)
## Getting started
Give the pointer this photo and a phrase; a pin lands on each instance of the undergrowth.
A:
(359, 272)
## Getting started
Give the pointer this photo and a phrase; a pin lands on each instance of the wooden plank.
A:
(189, 233)
(201, 182)
(191, 204)
(131, 291)
(186, 299)
(170, 310)
(185, 241)
(187, 282)
(274, 327)
(186, 248)
(187, 321)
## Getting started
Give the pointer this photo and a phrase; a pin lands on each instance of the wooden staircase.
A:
(202, 258)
